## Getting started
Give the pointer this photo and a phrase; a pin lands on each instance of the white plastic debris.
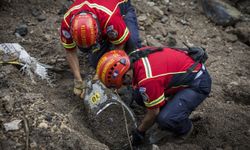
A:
(31, 66)
(13, 125)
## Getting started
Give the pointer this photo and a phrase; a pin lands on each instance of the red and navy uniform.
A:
(153, 74)
(109, 18)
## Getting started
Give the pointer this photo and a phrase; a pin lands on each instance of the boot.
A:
(159, 135)
(181, 138)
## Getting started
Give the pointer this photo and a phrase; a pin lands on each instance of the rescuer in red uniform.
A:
(96, 26)
(162, 83)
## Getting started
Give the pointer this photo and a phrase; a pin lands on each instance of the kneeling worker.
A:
(165, 85)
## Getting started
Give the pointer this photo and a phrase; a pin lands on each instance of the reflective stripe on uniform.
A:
(147, 67)
(155, 102)
(121, 39)
(91, 5)
(68, 46)
(105, 25)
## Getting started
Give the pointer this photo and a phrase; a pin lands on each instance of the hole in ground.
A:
(109, 127)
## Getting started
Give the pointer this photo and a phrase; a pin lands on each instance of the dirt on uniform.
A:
(53, 118)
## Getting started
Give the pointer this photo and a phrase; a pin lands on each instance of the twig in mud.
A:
(27, 132)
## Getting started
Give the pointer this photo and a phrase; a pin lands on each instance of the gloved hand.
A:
(137, 137)
(95, 78)
(79, 88)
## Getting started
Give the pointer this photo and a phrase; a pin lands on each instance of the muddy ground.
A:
(53, 118)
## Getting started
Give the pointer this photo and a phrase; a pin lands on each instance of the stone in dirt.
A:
(13, 125)
(220, 12)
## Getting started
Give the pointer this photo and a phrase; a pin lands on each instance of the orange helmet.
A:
(84, 29)
(111, 68)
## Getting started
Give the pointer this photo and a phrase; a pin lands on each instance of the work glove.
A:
(95, 78)
(79, 88)
(137, 137)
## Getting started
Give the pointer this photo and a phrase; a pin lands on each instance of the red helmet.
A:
(111, 68)
(84, 30)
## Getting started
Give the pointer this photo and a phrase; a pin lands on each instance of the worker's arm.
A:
(148, 119)
(79, 84)
(73, 61)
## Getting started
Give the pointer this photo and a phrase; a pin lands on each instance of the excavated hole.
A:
(109, 127)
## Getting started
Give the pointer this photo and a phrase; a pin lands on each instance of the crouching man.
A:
(167, 81)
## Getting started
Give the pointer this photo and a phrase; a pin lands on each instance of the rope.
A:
(126, 124)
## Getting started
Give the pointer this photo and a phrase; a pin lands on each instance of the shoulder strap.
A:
(198, 54)
(138, 54)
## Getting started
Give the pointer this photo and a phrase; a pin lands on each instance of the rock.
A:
(43, 125)
(47, 37)
(220, 12)
(21, 29)
(13, 125)
(184, 22)
(151, 4)
(35, 12)
(230, 37)
(166, 2)
(153, 42)
(41, 18)
(242, 30)
(159, 37)
(157, 11)
(141, 28)
(155, 147)
(233, 83)
(33, 145)
(61, 60)
(142, 17)
(171, 41)
(164, 19)
(196, 116)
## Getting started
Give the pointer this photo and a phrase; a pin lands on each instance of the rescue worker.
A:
(162, 84)
(96, 26)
